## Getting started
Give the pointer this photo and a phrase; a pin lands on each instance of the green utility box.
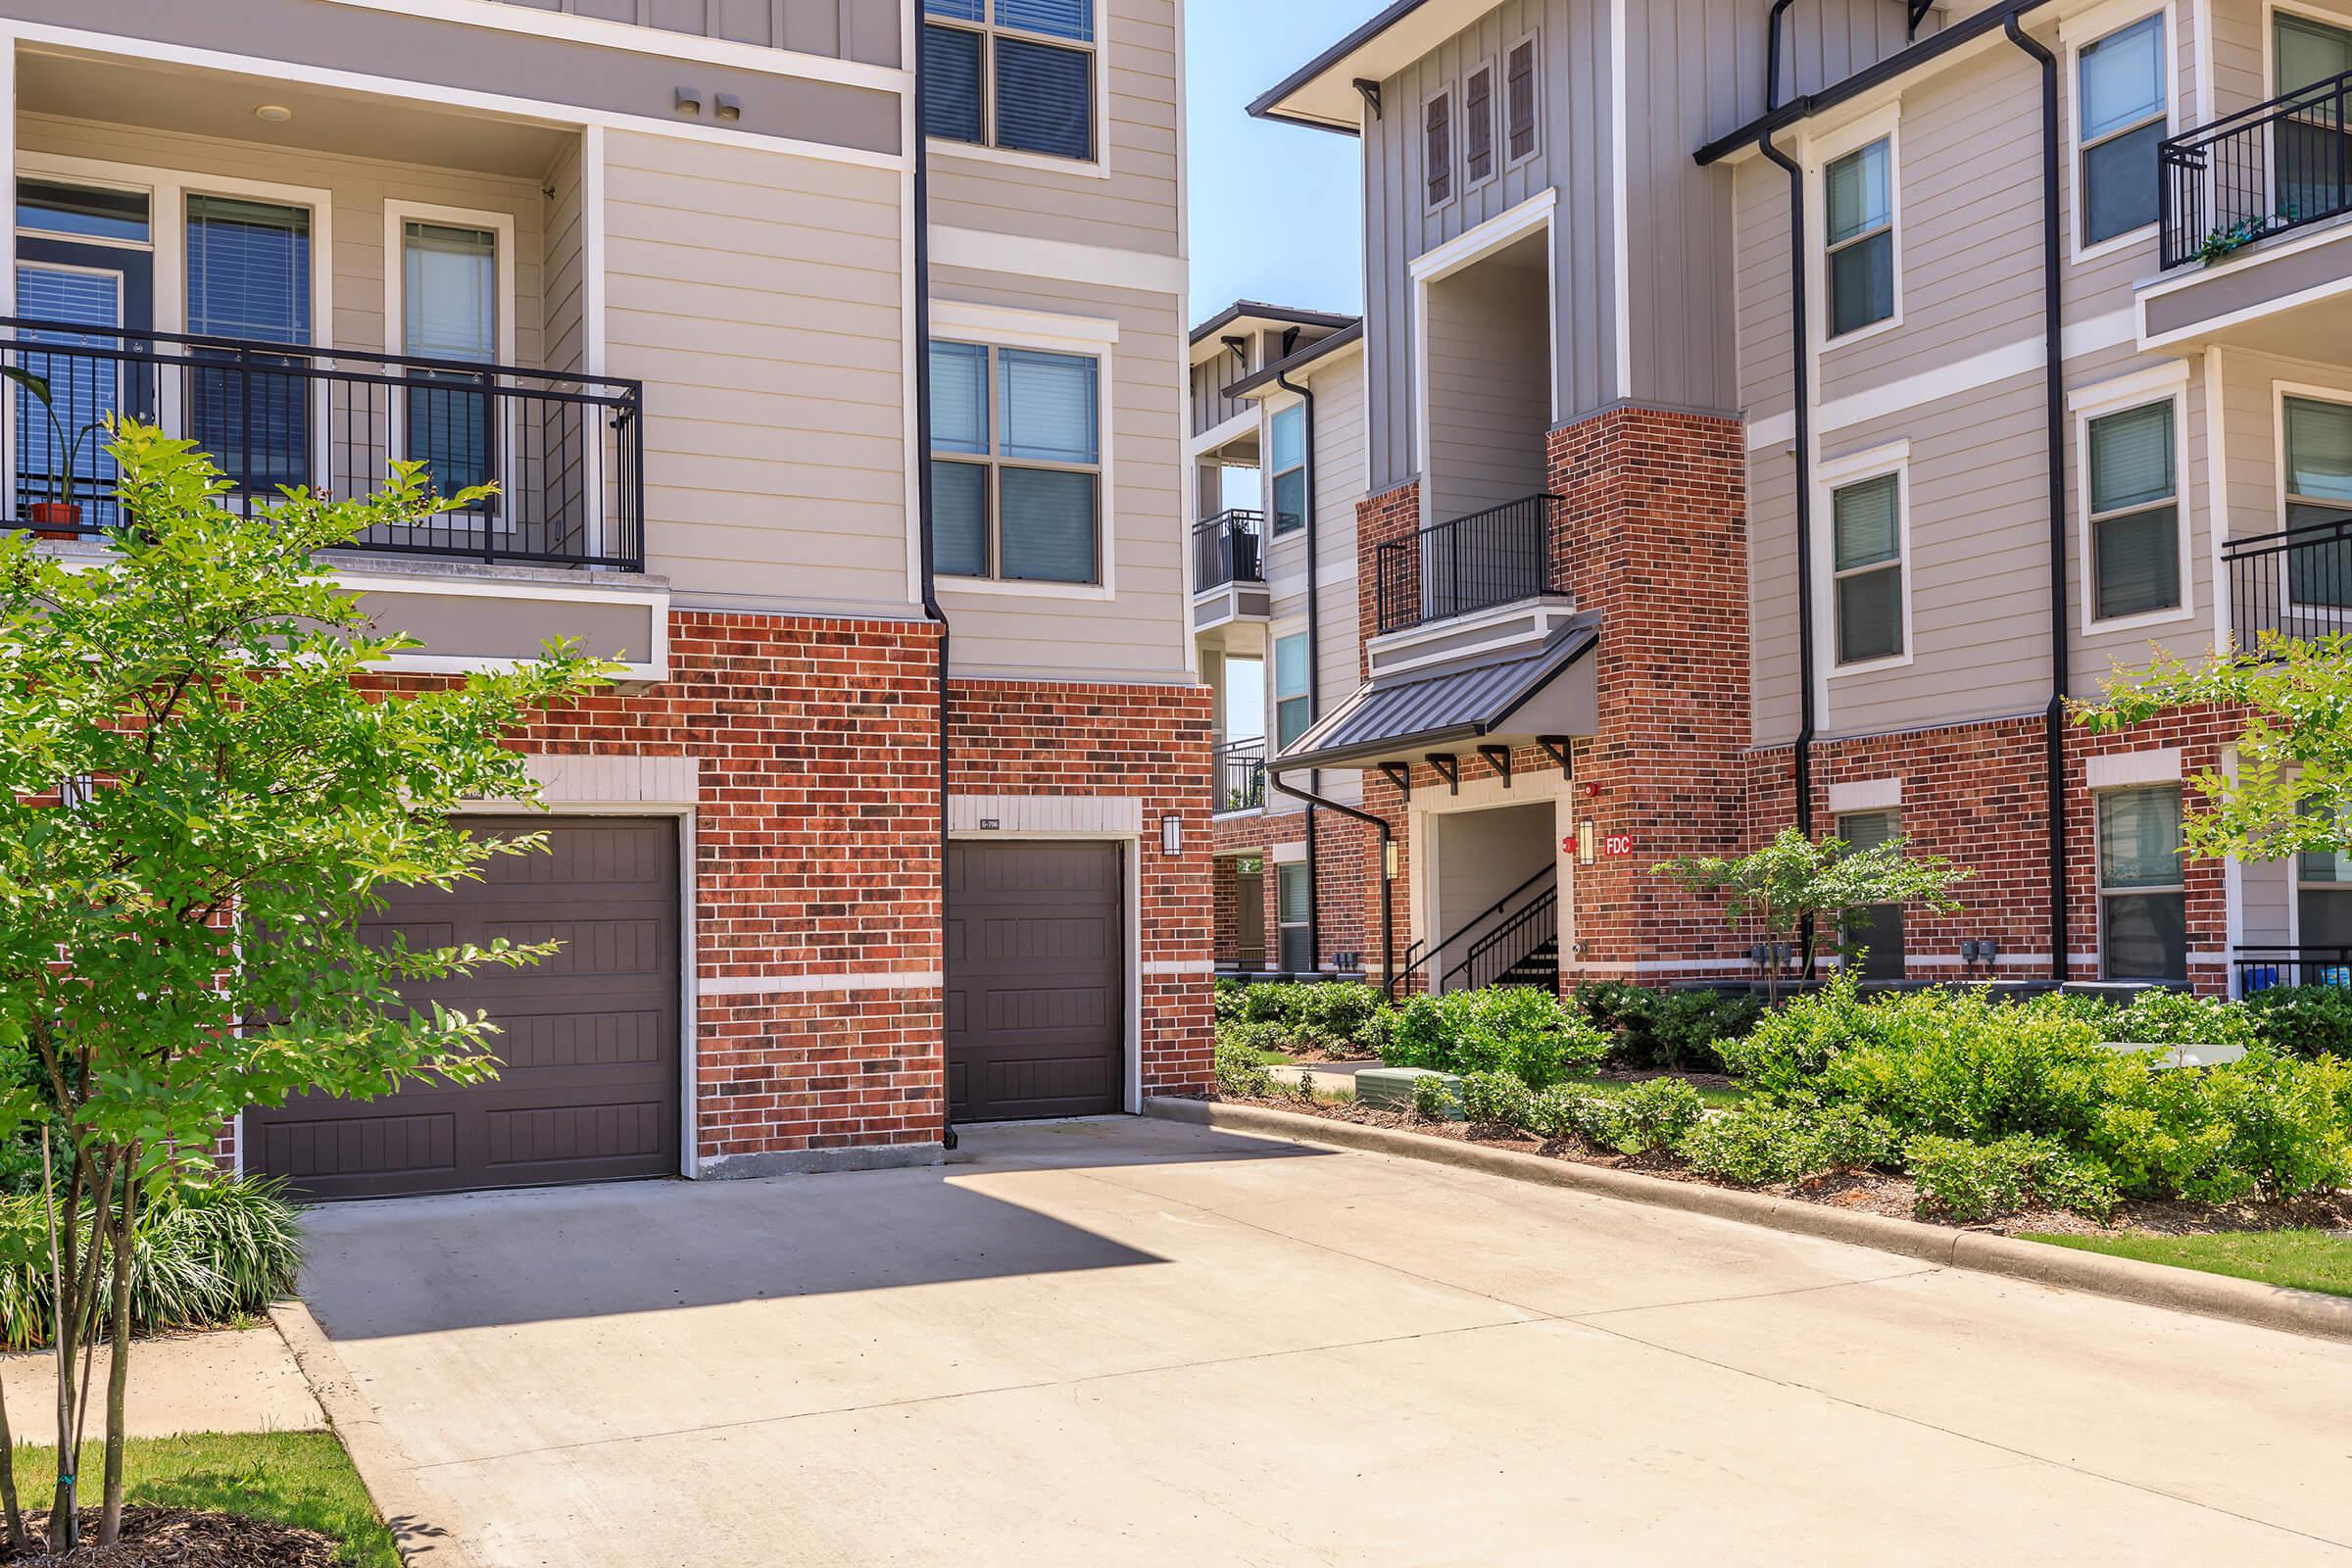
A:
(1391, 1088)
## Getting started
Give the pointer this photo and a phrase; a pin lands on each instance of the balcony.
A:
(1501, 556)
(1229, 570)
(1238, 776)
(2279, 166)
(2296, 584)
(565, 450)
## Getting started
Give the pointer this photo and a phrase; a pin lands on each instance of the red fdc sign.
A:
(1617, 844)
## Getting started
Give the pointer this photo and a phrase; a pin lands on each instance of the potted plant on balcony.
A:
(59, 518)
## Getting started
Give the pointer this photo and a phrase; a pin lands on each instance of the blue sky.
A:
(1276, 209)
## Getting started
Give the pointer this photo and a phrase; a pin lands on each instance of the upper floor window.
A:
(1293, 703)
(1861, 237)
(1519, 101)
(1478, 125)
(2144, 908)
(1290, 469)
(1012, 74)
(1436, 148)
(2135, 515)
(1867, 564)
(1016, 464)
(2308, 147)
(2318, 462)
(2121, 108)
(249, 277)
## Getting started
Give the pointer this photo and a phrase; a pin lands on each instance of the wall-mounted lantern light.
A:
(1392, 860)
(1171, 835)
(1588, 843)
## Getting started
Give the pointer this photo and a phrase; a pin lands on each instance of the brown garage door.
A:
(588, 1090)
(1037, 1006)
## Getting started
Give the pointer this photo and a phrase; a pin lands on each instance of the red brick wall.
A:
(1346, 880)
(1390, 515)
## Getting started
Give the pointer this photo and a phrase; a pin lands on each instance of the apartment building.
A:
(1776, 412)
(896, 817)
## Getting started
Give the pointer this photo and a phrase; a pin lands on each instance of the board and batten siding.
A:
(1144, 632)
(863, 30)
(1136, 207)
(1490, 390)
(759, 297)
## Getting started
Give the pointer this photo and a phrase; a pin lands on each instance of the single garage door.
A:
(1037, 1001)
(588, 1086)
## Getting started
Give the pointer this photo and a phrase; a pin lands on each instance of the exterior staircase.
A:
(1538, 966)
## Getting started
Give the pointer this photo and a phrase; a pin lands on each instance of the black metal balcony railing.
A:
(1225, 549)
(1511, 552)
(2263, 171)
(2297, 583)
(564, 451)
(2262, 969)
(1237, 779)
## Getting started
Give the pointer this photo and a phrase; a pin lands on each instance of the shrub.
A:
(205, 1253)
(1842, 1138)
(1235, 1067)
(1674, 1029)
(1342, 1010)
(2177, 1018)
(1271, 1004)
(1968, 1181)
(1497, 1100)
(1657, 1113)
(1513, 1029)
(1569, 1110)
(1752, 1146)
(1434, 1100)
(2304, 1020)
(1225, 1000)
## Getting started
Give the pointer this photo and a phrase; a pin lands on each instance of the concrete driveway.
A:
(1138, 1343)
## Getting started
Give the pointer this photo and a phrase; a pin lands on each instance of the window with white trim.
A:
(1016, 464)
(1291, 914)
(249, 277)
(1478, 125)
(1860, 236)
(1436, 149)
(2316, 437)
(2308, 147)
(1866, 564)
(2144, 907)
(1874, 931)
(1293, 707)
(1519, 101)
(2134, 513)
(2120, 117)
(1289, 466)
(2324, 898)
(1013, 73)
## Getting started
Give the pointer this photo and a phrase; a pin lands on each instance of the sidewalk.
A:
(224, 1380)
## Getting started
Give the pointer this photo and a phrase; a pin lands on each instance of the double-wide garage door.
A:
(1037, 1003)
(588, 1086)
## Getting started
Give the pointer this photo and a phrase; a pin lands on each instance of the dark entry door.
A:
(588, 1086)
(1037, 1005)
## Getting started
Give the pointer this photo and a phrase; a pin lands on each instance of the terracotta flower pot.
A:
(56, 519)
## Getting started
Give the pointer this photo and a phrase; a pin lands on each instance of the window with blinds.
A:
(1872, 937)
(1012, 74)
(2134, 517)
(2143, 909)
(449, 310)
(1436, 149)
(1867, 569)
(2119, 102)
(1293, 707)
(2316, 437)
(1478, 125)
(1519, 101)
(1291, 914)
(2309, 149)
(1289, 466)
(2324, 894)
(1016, 464)
(248, 278)
(1860, 237)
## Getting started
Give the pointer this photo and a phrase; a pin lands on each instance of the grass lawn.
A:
(290, 1477)
(2308, 1261)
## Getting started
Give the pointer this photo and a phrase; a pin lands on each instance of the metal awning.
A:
(1508, 699)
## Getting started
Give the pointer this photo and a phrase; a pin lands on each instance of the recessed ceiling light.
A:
(274, 113)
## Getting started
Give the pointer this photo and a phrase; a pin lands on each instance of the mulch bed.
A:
(1866, 1192)
(183, 1538)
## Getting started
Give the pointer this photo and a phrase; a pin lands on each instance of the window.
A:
(2143, 912)
(1290, 915)
(249, 277)
(2318, 438)
(1867, 560)
(1436, 148)
(1022, 79)
(1519, 101)
(2309, 146)
(1478, 125)
(2135, 519)
(2324, 900)
(47, 207)
(2119, 105)
(449, 293)
(1015, 463)
(1289, 470)
(1861, 237)
(1875, 931)
(1293, 703)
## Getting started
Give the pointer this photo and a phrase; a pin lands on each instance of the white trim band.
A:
(780, 984)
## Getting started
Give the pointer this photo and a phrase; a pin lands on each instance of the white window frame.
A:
(1831, 476)
(398, 214)
(1882, 123)
(1453, 147)
(1266, 467)
(997, 326)
(1276, 637)
(1496, 117)
(2281, 391)
(2120, 396)
(1534, 37)
(1281, 869)
(2076, 33)
(986, 151)
(2098, 874)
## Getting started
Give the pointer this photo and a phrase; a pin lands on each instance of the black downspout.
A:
(1772, 56)
(1387, 887)
(1314, 676)
(922, 459)
(2053, 721)
(1799, 384)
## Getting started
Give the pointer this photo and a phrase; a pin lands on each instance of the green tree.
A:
(202, 799)
(2292, 790)
(1785, 885)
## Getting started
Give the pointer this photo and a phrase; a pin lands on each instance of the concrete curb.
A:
(382, 1467)
(2182, 1290)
